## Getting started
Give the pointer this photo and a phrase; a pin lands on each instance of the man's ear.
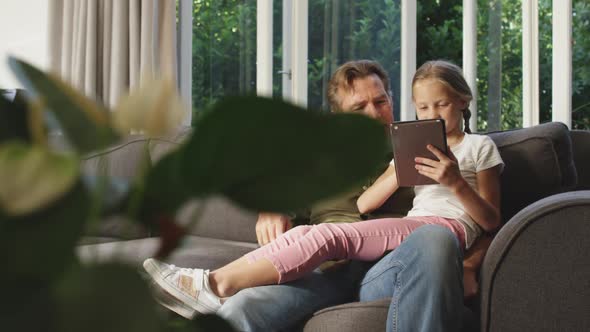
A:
(389, 95)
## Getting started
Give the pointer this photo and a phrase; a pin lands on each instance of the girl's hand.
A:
(444, 171)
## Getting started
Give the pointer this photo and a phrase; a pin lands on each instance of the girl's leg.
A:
(366, 240)
(296, 254)
(288, 238)
(253, 269)
(197, 290)
(241, 274)
(188, 291)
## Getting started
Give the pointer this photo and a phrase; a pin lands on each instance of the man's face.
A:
(367, 96)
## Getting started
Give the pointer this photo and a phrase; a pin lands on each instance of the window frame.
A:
(185, 55)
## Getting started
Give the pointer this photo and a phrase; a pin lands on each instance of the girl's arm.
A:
(483, 205)
(379, 192)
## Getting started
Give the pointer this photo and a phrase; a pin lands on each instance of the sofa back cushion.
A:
(581, 148)
(122, 160)
(219, 217)
(538, 163)
(121, 164)
(161, 146)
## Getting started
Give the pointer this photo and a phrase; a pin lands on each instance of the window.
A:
(224, 50)
(581, 64)
(340, 31)
(499, 65)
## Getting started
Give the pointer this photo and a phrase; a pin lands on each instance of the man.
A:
(423, 276)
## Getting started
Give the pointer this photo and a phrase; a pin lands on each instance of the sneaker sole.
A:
(155, 273)
(171, 303)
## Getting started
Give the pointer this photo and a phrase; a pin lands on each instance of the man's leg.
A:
(424, 278)
(283, 307)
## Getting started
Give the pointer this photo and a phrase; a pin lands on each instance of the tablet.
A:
(409, 140)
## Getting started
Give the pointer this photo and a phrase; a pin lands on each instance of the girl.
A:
(466, 200)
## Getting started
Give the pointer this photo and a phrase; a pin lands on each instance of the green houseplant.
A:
(46, 203)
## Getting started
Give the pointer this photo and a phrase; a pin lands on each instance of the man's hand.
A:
(270, 226)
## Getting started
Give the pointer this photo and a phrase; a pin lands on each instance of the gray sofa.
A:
(535, 276)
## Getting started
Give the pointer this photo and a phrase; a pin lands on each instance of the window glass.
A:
(224, 50)
(581, 65)
(439, 26)
(343, 30)
(499, 64)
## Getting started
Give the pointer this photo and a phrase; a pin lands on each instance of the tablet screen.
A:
(409, 140)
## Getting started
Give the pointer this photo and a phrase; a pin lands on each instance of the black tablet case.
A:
(409, 140)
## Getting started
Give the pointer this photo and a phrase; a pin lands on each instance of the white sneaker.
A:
(190, 287)
(171, 303)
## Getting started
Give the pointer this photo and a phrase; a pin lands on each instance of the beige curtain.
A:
(104, 47)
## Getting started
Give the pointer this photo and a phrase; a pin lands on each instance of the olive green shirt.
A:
(344, 209)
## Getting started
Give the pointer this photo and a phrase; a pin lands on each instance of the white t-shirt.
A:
(475, 153)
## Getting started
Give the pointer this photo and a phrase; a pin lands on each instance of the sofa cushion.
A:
(366, 316)
(357, 316)
(195, 251)
(538, 163)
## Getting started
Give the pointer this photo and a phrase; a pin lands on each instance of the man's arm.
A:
(271, 225)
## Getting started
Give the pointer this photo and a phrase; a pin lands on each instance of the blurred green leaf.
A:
(320, 168)
(84, 122)
(165, 187)
(271, 155)
(206, 323)
(22, 297)
(33, 177)
(109, 297)
(38, 247)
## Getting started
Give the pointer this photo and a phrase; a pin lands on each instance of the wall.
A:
(23, 33)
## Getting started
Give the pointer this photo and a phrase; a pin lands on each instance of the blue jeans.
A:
(423, 276)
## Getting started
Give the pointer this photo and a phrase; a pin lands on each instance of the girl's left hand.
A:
(444, 171)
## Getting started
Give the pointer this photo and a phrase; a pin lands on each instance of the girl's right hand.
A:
(444, 171)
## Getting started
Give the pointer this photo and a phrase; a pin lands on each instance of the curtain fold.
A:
(105, 47)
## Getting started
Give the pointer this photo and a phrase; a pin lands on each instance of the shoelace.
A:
(197, 278)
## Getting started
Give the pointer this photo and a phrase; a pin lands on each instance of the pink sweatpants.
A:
(304, 248)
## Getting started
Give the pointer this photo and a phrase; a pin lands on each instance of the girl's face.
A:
(433, 100)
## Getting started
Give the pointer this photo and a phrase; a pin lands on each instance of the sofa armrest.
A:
(536, 273)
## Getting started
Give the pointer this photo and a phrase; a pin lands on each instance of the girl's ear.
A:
(464, 104)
